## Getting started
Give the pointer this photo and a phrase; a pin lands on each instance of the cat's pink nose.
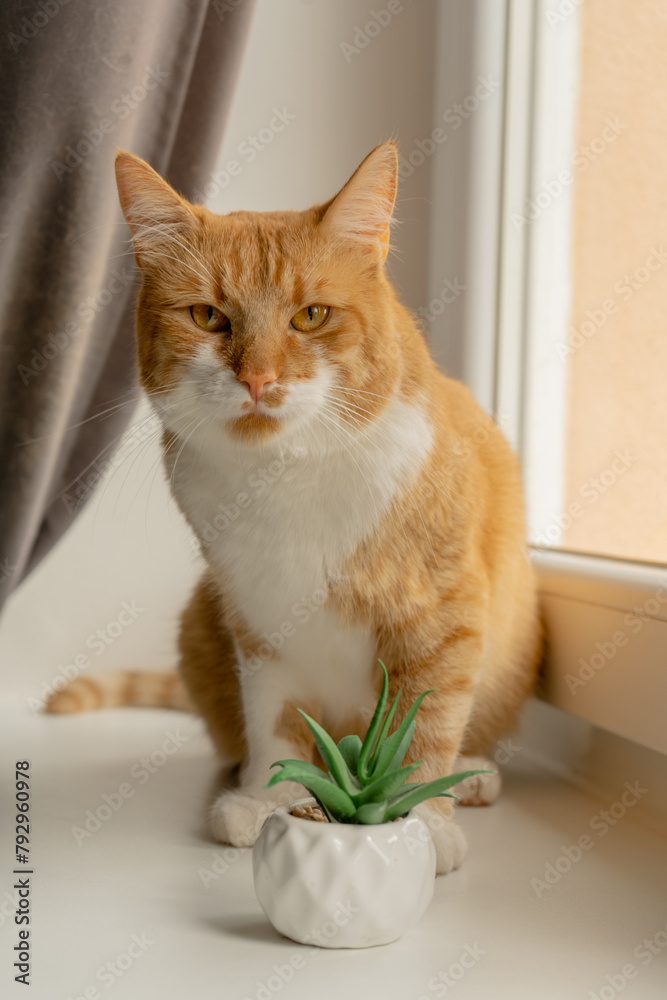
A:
(257, 385)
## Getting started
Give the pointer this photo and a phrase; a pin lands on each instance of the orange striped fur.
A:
(119, 688)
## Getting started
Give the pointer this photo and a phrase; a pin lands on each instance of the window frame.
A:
(589, 602)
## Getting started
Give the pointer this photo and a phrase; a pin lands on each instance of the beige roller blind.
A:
(616, 466)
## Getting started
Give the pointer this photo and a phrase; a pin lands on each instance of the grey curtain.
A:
(79, 79)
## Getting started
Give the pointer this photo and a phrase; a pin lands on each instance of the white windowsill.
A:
(606, 625)
(139, 875)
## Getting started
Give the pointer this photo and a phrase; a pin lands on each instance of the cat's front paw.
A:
(480, 790)
(238, 816)
(450, 842)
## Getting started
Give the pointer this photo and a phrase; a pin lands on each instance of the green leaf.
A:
(295, 770)
(402, 804)
(394, 751)
(385, 787)
(383, 732)
(336, 803)
(371, 812)
(331, 756)
(408, 787)
(448, 781)
(374, 728)
(350, 748)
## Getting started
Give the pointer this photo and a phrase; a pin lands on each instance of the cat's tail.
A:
(114, 688)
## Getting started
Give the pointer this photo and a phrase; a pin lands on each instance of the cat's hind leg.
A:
(208, 667)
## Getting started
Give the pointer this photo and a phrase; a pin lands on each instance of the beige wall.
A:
(342, 98)
(616, 473)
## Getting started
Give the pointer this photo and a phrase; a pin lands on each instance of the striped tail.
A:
(142, 688)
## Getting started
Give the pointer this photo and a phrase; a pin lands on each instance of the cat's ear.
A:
(152, 209)
(362, 209)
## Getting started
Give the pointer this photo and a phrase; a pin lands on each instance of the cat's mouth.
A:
(259, 419)
(257, 425)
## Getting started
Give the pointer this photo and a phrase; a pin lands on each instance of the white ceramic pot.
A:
(340, 885)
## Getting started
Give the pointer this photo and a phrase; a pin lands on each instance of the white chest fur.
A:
(279, 520)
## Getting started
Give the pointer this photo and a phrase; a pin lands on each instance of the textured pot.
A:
(340, 885)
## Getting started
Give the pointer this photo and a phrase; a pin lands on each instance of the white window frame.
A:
(606, 619)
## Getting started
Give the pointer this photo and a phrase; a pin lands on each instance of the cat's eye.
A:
(210, 318)
(310, 318)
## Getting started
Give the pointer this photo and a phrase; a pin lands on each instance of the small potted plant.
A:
(353, 866)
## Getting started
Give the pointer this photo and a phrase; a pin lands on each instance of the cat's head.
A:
(260, 321)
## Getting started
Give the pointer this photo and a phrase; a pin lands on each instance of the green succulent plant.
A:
(365, 782)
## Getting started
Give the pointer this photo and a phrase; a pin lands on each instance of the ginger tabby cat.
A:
(351, 502)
